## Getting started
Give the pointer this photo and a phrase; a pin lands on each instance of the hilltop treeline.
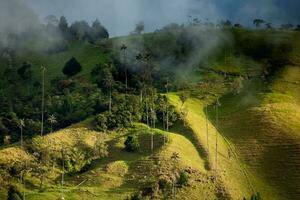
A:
(52, 36)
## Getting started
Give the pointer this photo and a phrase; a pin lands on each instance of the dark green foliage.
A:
(126, 109)
(102, 75)
(132, 143)
(72, 67)
(256, 196)
(135, 196)
(78, 157)
(101, 122)
(98, 31)
(63, 25)
(73, 101)
(183, 179)
(14, 193)
(81, 30)
(25, 71)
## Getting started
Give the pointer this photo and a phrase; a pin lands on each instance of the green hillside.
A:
(214, 118)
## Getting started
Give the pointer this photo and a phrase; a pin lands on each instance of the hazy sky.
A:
(120, 16)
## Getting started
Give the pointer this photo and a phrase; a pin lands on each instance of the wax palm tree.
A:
(43, 98)
(258, 22)
(167, 86)
(21, 125)
(52, 120)
(175, 157)
(217, 104)
(206, 122)
(124, 48)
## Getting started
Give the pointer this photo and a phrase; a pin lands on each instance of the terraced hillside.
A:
(260, 126)
(267, 135)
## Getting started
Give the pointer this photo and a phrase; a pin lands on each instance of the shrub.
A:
(132, 143)
(72, 67)
(25, 71)
(183, 179)
(256, 196)
(135, 196)
(101, 122)
(13, 193)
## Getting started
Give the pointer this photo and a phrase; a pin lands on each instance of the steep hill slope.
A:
(267, 135)
(121, 173)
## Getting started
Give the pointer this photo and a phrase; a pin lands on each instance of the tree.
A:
(72, 67)
(52, 120)
(184, 113)
(237, 25)
(51, 20)
(175, 158)
(139, 28)
(43, 98)
(124, 48)
(21, 125)
(206, 124)
(297, 28)
(132, 143)
(258, 22)
(25, 71)
(101, 122)
(226, 24)
(183, 98)
(81, 30)
(183, 179)
(167, 85)
(98, 31)
(237, 85)
(256, 196)
(217, 105)
(63, 25)
(13, 193)
(269, 25)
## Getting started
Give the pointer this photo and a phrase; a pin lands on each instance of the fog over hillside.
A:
(120, 16)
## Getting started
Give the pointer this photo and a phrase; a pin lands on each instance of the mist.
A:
(21, 27)
(120, 16)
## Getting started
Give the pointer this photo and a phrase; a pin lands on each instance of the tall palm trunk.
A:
(21, 136)
(43, 99)
(126, 74)
(63, 170)
(110, 99)
(152, 141)
(206, 122)
(147, 113)
(217, 126)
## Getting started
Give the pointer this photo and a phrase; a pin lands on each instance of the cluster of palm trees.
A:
(52, 120)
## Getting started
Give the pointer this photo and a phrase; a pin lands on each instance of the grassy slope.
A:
(229, 169)
(267, 135)
(88, 55)
(262, 128)
(121, 173)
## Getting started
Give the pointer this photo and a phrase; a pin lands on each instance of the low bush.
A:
(183, 179)
(132, 143)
